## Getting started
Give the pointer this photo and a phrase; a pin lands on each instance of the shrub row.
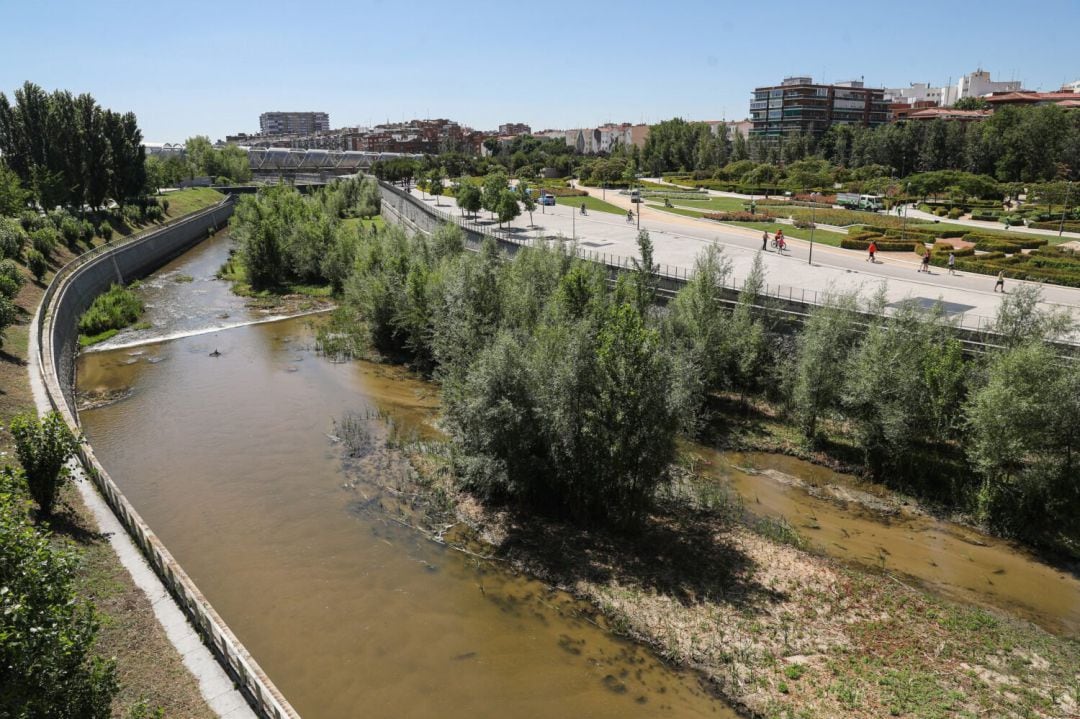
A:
(992, 243)
(759, 216)
(1068, 227)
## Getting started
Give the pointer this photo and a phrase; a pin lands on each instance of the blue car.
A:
(547, 199)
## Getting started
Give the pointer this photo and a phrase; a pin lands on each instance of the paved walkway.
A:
(679, 240)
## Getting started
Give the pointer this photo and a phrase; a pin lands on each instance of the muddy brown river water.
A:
(230, 459)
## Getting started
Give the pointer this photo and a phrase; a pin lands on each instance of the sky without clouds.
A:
(211, 68)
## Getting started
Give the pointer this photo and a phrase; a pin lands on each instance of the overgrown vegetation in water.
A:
(110, 312)
(287, 239)
(566, 393)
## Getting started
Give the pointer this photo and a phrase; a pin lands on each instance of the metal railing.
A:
(265, 699)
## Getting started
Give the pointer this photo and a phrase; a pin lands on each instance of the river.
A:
(230, 460)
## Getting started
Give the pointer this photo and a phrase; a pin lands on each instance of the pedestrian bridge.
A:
(287, 159)
(272, 159)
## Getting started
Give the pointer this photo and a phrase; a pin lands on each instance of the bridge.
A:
(288, 160)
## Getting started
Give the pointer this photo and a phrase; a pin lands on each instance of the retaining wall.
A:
(72, 290)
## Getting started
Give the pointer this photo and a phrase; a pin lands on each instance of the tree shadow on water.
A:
(676, 552)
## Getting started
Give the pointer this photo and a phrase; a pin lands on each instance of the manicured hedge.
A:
(1015, 241)
(1051, 225)
(861, 236)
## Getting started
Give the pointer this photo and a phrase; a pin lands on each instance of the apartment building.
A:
(293, 123)
(799, 105)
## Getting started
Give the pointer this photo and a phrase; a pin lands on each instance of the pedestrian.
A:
(1000, 282)
(926, 262)
(872, 249)
(780, 238)
(952, 264)
(764, 239)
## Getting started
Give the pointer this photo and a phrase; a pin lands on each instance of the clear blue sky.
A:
(211, 68)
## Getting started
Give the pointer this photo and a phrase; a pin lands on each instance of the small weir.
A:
(223, 441)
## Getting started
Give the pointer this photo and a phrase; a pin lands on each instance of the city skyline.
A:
(493, 64)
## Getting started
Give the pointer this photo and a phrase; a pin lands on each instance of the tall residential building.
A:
(293, 123)
(798, 105)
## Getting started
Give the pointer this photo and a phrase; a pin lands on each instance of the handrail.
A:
(265, 698)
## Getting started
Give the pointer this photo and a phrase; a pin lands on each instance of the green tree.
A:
(508, 207)
(698, 320)
(528, 202)
(13, 197)
(47, 666)
(494, 186)
(435, 185)
(369, 198)
(469, 198)
(822, 348)
(43, 447)
(644, 281)
(1024, 430)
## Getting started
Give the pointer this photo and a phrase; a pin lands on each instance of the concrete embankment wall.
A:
(70, 293)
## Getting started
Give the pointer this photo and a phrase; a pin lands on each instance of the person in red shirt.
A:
(873, 249)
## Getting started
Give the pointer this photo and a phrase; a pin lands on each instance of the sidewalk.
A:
(678, 240)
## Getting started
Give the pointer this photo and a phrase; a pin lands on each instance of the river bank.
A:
(779, 629)
(150, 670)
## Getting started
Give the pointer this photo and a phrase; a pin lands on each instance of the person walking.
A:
(952, 264)
(1000, 282)
(764, 240)
(926, 262)
(872, 249)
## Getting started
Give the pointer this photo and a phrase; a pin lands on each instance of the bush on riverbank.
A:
(47, 660)
(110, 312)
(287, 238)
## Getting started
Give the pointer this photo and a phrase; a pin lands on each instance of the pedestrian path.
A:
(678, 240)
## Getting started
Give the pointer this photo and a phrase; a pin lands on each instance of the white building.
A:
(1071, 87)
(977, 84)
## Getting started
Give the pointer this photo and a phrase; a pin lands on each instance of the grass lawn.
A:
(824, 237)
(376, 222)
(593, 204)
(713, 204)
(192, 199)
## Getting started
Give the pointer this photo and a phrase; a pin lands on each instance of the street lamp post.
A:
(813, 226)
(1065, 210)
(573, 224)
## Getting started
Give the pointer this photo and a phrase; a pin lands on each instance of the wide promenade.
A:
(678, 240)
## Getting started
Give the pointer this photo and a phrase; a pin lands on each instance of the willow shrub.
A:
(115, 309)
